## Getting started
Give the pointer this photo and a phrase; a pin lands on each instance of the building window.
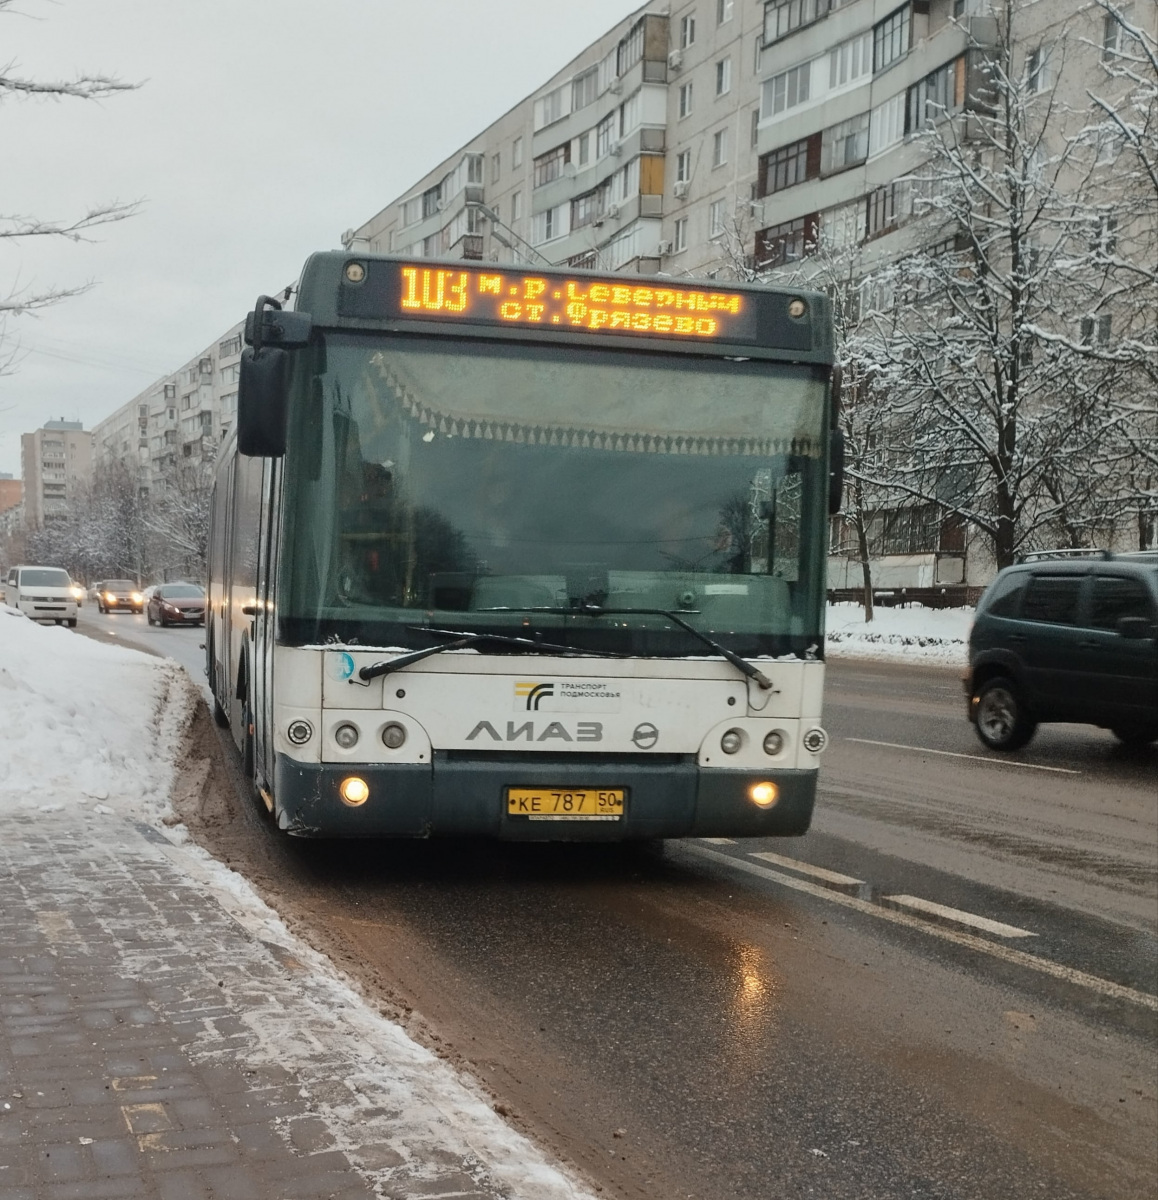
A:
(844, 145)
(719, 147)
(588, 207)
(630, 113)
(788, 242)
(938, 93)
(230, 346)
(550, 224)
(551, 108)
(430, 199)
(604, 132)
(584, 89)
(884, 208)
(789, 165)
(781, 19)
(683, 166)
(723, 76)
(584, 150)
(787, 90)
(496, 167)
(517, 153)
(891, 39)
(716, 218)
(724, 11)
(1037, 70)
(630, 50)
(850, 60)
(230, 374)
(516, 206)
(681, 235)
(687, 32)
(1105, 238)
(685, 107)
(1112, 32)
(549, 166)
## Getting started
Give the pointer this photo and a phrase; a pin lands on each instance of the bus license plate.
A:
(566, 804)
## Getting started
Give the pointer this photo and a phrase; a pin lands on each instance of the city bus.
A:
(526, 554)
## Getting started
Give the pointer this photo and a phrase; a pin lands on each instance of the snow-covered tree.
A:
(177, 520)
(983, 339)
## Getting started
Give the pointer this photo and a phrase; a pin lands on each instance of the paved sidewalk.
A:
(153, 1045)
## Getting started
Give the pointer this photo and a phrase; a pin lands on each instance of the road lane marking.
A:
(994, 762)
(719, 841)
(997, 928)
(1103, 987)
(808, 869)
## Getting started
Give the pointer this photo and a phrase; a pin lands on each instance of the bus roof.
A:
(343, 290)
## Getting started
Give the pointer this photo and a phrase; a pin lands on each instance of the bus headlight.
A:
(815, 740)
(763, 795)
(732, 742)
(299, 732)
(773, 742)
(346, 736)
(354, 791)
(393, 735)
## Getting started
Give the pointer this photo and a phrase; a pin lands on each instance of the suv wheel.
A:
(1002, 720)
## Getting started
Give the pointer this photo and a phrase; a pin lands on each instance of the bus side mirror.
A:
(262, 402)
(835, 471)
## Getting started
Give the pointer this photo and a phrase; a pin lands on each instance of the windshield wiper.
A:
(593, 610)
(463, 639)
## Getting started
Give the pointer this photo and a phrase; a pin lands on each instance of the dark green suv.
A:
(1066, 639)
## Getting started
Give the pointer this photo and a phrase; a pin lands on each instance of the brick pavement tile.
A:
(233, 1183)
(182, 1184)
(115, 1156)
(135, 1048)
(96, 1189)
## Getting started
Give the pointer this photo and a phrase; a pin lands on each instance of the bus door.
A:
(265, 621)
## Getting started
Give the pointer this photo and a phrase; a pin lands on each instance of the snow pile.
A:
(913, 634)
(86, 723)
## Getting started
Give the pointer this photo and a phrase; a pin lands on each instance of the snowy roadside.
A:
(914, 634)
(92, 734)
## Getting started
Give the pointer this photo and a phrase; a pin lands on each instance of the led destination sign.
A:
(583, 305)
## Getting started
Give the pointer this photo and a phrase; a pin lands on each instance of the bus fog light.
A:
(732, 742)
(393, 735)
(354, 791)
(815, 740)
(346, 736)
(299, 732)
(763, 795)
(773, 742)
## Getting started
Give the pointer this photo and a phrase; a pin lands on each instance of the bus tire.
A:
(247, 755)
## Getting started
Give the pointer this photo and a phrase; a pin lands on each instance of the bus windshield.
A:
(438, 482)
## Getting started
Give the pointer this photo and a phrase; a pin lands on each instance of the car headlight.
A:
(77, 593)
(137, 598)
(110, 598)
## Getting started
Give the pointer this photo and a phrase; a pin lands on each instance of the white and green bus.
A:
(526, 554)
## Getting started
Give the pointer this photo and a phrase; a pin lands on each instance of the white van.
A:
(42, 593)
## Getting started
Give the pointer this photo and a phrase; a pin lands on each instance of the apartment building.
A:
(178, 420)
(56, 465)
(705, 137)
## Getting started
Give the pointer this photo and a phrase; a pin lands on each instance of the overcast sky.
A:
(261, 131)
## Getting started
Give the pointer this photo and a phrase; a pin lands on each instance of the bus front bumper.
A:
(466, 797)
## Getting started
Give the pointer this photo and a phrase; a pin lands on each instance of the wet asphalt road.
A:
(704, 1022)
